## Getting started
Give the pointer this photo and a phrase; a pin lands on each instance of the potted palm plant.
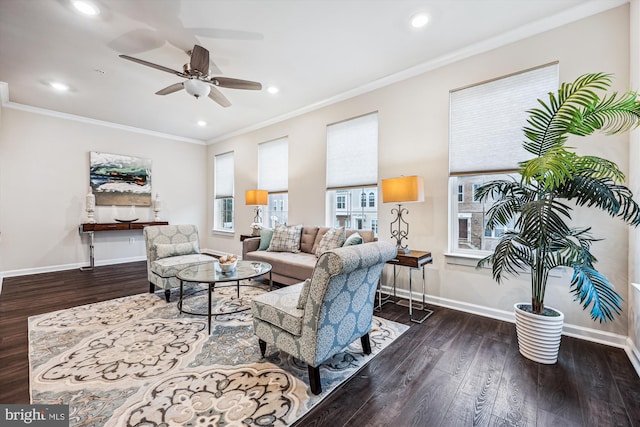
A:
(538, 206)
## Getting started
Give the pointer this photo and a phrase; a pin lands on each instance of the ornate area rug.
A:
(137, 361)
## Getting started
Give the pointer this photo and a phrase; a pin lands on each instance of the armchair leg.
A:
(167, 294)
(366, 344)
(314, 379)
(263, 346)
(152, 288)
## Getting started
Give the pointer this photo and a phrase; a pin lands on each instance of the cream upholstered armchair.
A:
(171, 248)
(318, 318)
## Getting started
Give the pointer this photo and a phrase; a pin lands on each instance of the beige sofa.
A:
(290, 268)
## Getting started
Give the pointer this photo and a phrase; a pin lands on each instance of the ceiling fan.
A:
(198, 83)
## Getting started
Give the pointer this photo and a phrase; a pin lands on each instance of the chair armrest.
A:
(249, 245)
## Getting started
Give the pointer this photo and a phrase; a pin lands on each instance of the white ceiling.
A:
(314, 51)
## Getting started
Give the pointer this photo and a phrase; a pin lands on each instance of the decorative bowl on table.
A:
(228, 263)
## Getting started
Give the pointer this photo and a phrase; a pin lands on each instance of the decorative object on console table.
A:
(90, 206)
(414, 260)
(402, 190)
(90, 228)
(157, 205)
(256, 198)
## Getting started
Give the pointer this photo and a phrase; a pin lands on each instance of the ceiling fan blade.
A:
(217, 96)
(235, 83)
(200, 60)
(170, 89)
(152, 65)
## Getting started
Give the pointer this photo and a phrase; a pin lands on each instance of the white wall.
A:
(634, 184)
(413, 139)
(44, 177)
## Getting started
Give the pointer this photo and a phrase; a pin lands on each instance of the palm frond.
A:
(548, 126)
(593, 289)
(611, 115)
(549, 170)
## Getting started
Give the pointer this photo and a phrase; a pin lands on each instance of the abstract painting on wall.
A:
(119, 180)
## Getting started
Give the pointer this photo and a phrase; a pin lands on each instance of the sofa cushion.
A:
(165, 250)
(298, 266)
(169, 267)
(286, 239)
(333, 238)
(321, 232)
(367, 235)
(279, 308)
(265, 238)
(308, 238)
(353, 239)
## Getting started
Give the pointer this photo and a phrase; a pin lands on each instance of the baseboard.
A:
(214, 252)
(633, 354)
(588, 334)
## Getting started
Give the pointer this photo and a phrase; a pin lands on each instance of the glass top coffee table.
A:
(211, 274)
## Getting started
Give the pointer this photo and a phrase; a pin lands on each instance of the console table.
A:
(90, 228)
(414, 260)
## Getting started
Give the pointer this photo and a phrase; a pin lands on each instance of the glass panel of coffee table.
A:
(211, 274)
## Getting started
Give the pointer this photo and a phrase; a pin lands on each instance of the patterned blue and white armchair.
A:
(171, 248)
(318, 318)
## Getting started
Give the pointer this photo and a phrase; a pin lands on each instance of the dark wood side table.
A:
(90, 228)
(414, 260)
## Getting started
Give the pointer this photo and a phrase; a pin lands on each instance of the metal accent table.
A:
(211, 274)
(414, 260)
(91, 228)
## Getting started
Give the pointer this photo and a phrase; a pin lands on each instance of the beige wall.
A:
(44, 177)
(413, 139)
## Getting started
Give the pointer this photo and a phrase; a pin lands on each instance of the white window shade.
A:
(273, 165)
(352, 153)
(486, 120)
(224, 175)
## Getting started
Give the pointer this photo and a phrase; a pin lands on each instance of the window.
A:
(485, 131)
(273, 176)
(374, 226)
(348, 185)
(475, 188)
(223, 204)
(372, 200)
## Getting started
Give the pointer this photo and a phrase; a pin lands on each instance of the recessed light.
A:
(202, 123)
(273, 90)
(86, 8)
(419, 20)
(59, 86)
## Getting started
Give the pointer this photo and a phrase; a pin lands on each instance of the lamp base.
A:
(403, 250)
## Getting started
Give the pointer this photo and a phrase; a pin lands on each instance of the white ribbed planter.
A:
(539, 336)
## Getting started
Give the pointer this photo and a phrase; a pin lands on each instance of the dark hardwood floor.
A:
(456, 369)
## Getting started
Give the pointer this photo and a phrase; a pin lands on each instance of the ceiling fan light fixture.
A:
(197, 88)
(85, 7)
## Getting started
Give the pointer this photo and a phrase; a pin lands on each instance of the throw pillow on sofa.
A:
(334, 238)
(354, 239)
(286, 239)
(265, 238)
